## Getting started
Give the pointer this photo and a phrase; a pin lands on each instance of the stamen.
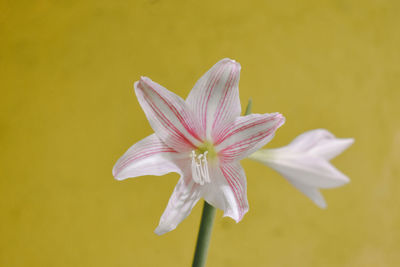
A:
(200, 171)
(206, 174)
(194, 167)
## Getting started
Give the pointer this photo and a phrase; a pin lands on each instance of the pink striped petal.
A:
(150, 156)
(169, 116)
(215, 97)
(185, 196)
(246, 135)
(228, 190)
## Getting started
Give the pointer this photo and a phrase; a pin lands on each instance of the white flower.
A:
(203, 139)
(305, 162)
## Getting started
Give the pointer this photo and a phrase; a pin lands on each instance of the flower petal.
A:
(169, 116)
(309, 170)
(185, 196)
(246, 135)
(228, 190)
(320, 142)
(150, 156)
(215, 97)
(312, 192)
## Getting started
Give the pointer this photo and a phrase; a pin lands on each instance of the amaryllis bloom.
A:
(305, 162)
(203, 139)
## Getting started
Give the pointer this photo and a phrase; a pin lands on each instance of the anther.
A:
(200, 171)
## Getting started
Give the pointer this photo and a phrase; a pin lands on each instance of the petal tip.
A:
(135, 84)
(160, 230)
(115, 172)
(138, 85)
(279, 118)
(143, 79)
(228, 61)
(118, 178)
(346, 180)
(236, 217)
(117, 175)
(341, 180)
(350, 141)
(118, 172)
(324, 133)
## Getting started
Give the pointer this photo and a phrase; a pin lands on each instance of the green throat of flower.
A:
(209, 147)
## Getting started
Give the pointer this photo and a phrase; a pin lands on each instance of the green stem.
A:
(249, 106)
(203, 239)
(206, 225)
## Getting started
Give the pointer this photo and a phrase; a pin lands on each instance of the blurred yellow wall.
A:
(68, 112)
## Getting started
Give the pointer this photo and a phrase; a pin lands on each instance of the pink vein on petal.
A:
(165, 121)
(140, 156)
(232, 151)
(182, 120)
(222, 101)
(243, 125)
(206, 99)
(234, 184)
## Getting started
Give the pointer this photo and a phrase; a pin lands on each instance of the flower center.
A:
(200, 160)
(207, 147)
(200, 171)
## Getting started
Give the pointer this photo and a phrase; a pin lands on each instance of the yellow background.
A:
(68, 112)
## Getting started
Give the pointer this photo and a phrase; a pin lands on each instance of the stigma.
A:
(200, 171)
